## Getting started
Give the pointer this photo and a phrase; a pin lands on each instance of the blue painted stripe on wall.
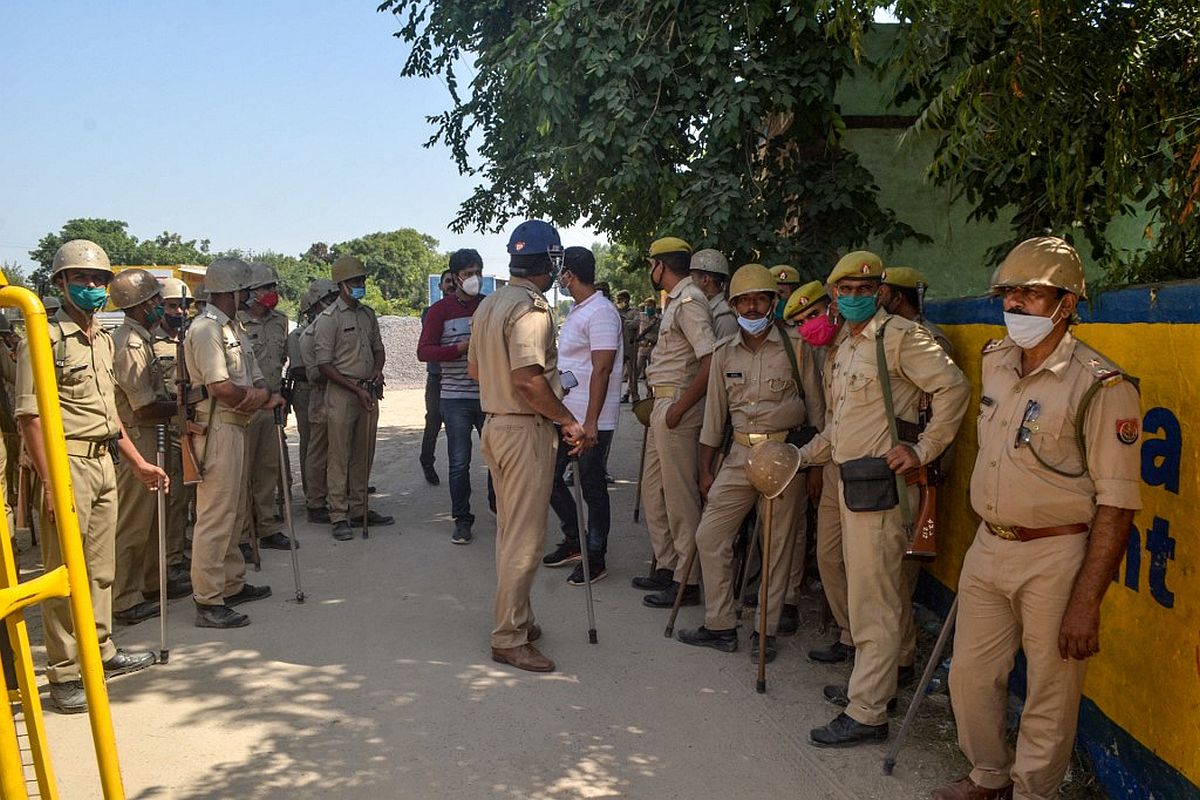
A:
(1125, 767)
(1170, 302)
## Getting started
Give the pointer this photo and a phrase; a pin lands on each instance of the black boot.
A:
(789, 620)
(772, 650)
(661, 579)
(127, 661)
(846, 732)
(219, 617)
(840, 696)
(836, 653)
(666, 598)
(247, 594)
(723, 640)
(68, 697)
(143, 611)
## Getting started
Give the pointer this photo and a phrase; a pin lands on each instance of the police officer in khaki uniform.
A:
(514, 358)
(710, 272)
(83, 366)
(167, 346)
(787, 281)
(678, 378)
(902, 294)
(874, 541)
(1056, 483)
(630, 319)
(10, 450)
(752, 383)
(647, 337)
(142, 403)
(313, 302)
(220, 359)
(316, 457)
(266, 330)
(349, 354)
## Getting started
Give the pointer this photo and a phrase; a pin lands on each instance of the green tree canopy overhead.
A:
(122, 248)
(1065, 116)
(710, 120)
(398, 263)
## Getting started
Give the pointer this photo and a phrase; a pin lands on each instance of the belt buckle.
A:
(756, 438)
(1007, 532)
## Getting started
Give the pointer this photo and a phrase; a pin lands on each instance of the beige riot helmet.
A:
(771, 466)
(131, 287)
(1041, 261)
(642, 409)
(751, 278)
(347, 268)
(80, 254)
(174, 289)
(262, 275)
(227, 275)
(710, 261)
(51, 304)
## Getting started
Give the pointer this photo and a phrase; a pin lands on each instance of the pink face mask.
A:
(818, 331)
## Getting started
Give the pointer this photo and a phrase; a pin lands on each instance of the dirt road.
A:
(381, 685)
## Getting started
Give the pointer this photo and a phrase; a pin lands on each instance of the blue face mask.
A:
(358, 292)
(857, 309)
(754, 326)
(154, 315)
(88, 298)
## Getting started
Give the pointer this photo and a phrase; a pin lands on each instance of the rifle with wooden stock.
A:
(924, 533)
(193, 470)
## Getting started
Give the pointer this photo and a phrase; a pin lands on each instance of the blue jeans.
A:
(460, 416)
(594, 487)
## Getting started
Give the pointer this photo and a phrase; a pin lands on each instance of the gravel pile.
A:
(402, 369)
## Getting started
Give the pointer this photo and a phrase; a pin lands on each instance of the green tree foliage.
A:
(397, 263)
(1065, 116)
(122, 248)
(624, 268)
(710, 120)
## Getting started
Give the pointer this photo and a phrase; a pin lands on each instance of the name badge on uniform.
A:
(733, 375)
(348, 330)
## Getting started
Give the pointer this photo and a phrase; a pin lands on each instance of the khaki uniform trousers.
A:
(520, 451)
(831, 564)
(137, 527)
(94, 485)
(873, 544)
(351, 431)
(300, 401)
(218, 569)
(177, 502)
(1013, 595)
(670, 492)
(262, 451)
(729, 500)
(316, 452)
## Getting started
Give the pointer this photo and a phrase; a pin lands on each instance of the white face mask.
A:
(754, 326)
(472, 285)
(1027, 330)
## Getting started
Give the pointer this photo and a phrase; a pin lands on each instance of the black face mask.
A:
(173, 321)
(657, 286)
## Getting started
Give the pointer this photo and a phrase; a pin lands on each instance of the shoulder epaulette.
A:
(731, 339)
(686, 299)
(991, 345)
(540, 304)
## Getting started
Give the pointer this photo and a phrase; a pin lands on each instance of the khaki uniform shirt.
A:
(756, 389)
(512, 328)
(268, 339)
(308, 354)
(347, 339)
(631, 324)
(856, 423)
(685, 337)
(8, 366)
(215, 351)
(939, 336)
(295, 361)
(137, 371)
(166, 350)
(648, 328)
(86, 387)
(1009, 486)
(724, 321)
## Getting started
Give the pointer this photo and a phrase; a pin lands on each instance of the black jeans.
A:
(594, 486)
(433, 417)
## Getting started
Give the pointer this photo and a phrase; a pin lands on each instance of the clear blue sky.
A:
(260, 125)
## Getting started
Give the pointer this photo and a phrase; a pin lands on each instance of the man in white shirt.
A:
(589, 345)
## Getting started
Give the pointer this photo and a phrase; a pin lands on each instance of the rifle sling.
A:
(885, 382)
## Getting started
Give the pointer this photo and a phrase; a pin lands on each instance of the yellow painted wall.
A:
(1146, 678)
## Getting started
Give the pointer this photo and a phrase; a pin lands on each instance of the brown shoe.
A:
(967, 789)
(526, 657)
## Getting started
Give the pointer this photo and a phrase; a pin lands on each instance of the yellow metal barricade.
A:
(69, 580)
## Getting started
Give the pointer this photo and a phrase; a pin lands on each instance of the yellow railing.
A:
(70, 580)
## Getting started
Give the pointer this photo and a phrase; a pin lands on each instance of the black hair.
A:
(581, 263)
(524, 266)
(678, 263)
(465, 259)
